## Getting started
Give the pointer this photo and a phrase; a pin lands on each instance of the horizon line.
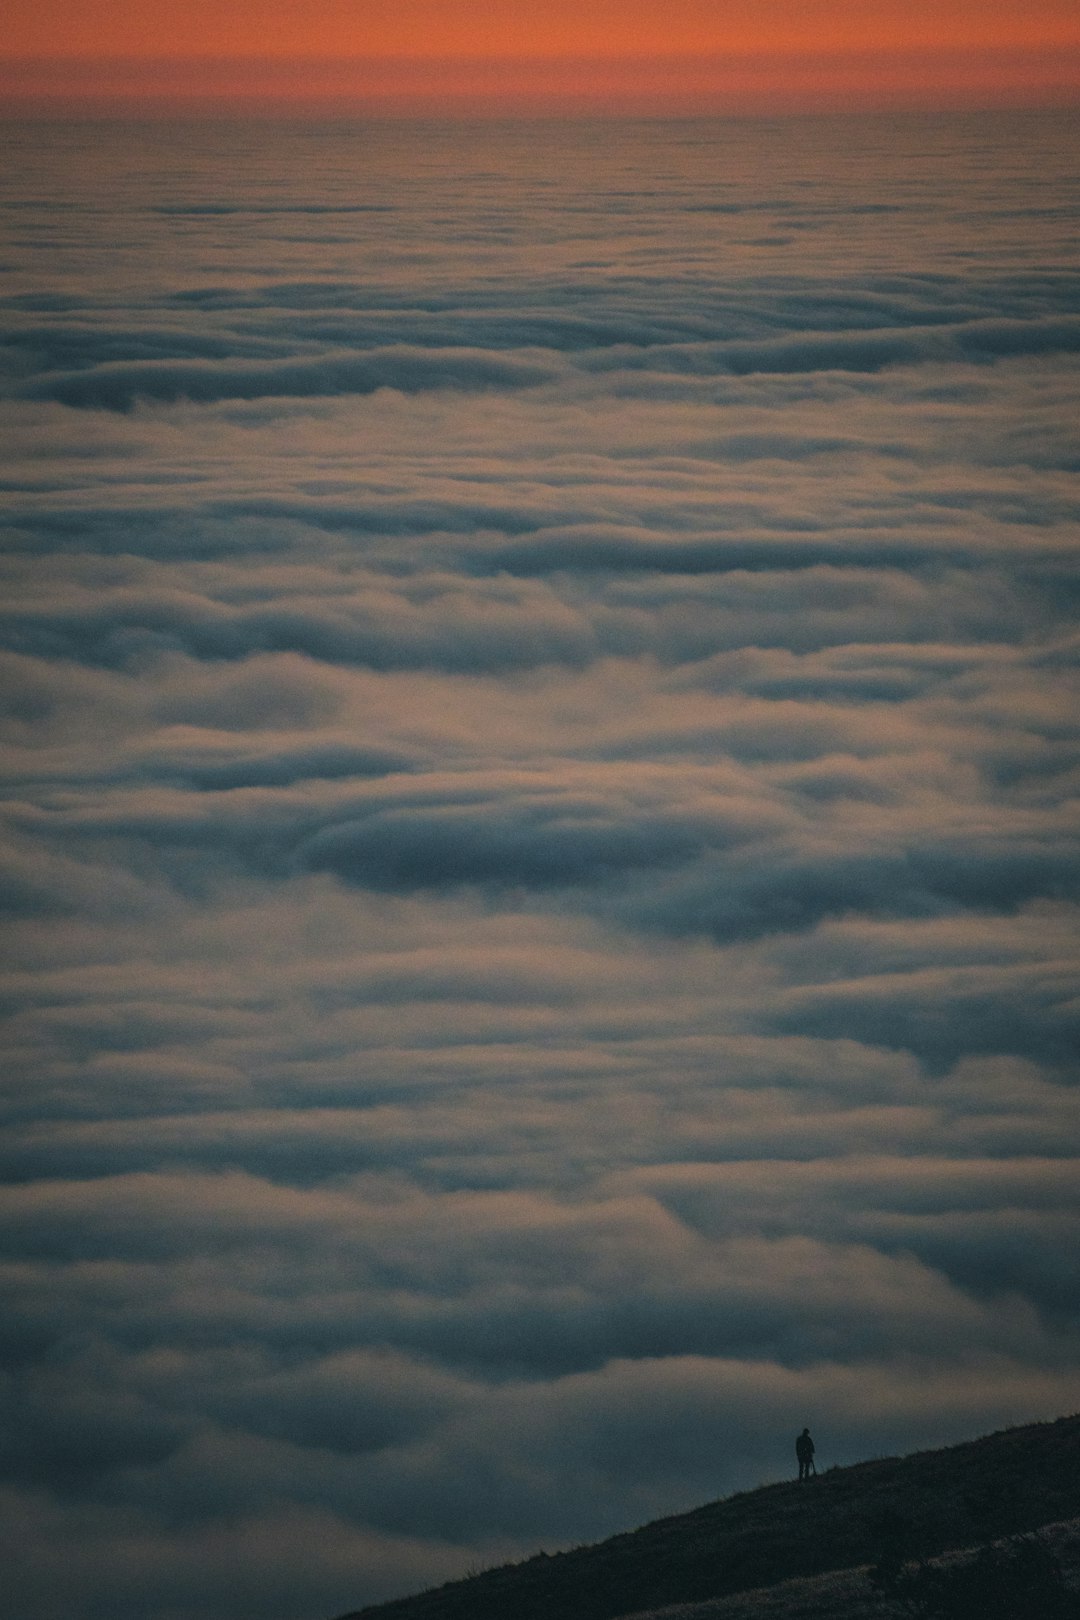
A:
(758, 83)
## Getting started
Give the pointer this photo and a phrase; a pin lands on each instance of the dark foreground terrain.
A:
(909, 1508)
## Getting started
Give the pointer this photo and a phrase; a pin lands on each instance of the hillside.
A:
(927, 1503)
(850, 1594)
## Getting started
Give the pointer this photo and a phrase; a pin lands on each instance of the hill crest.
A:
(1015, 1480)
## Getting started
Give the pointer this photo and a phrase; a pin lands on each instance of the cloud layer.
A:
(539, 834)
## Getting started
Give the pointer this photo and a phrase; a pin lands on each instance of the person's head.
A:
(806, 1431)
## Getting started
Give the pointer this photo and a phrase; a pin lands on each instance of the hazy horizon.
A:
(416, 87)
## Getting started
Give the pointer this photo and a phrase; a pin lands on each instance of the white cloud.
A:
(540, 762)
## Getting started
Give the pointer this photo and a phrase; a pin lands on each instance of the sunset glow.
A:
(623, 53)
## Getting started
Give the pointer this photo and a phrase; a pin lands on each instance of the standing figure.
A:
(804, 1450)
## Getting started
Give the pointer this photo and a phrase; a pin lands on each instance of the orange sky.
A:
(795, 51)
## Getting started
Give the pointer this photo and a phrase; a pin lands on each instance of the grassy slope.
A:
(1005, 1483)
(848, 1594)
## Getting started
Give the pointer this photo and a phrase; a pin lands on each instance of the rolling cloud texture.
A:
(539, 839)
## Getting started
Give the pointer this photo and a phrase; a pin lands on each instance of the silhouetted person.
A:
(804, 1450)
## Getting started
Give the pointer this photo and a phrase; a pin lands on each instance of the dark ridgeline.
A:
(930, 1502)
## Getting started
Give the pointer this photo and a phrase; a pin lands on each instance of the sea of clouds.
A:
(539, 839)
